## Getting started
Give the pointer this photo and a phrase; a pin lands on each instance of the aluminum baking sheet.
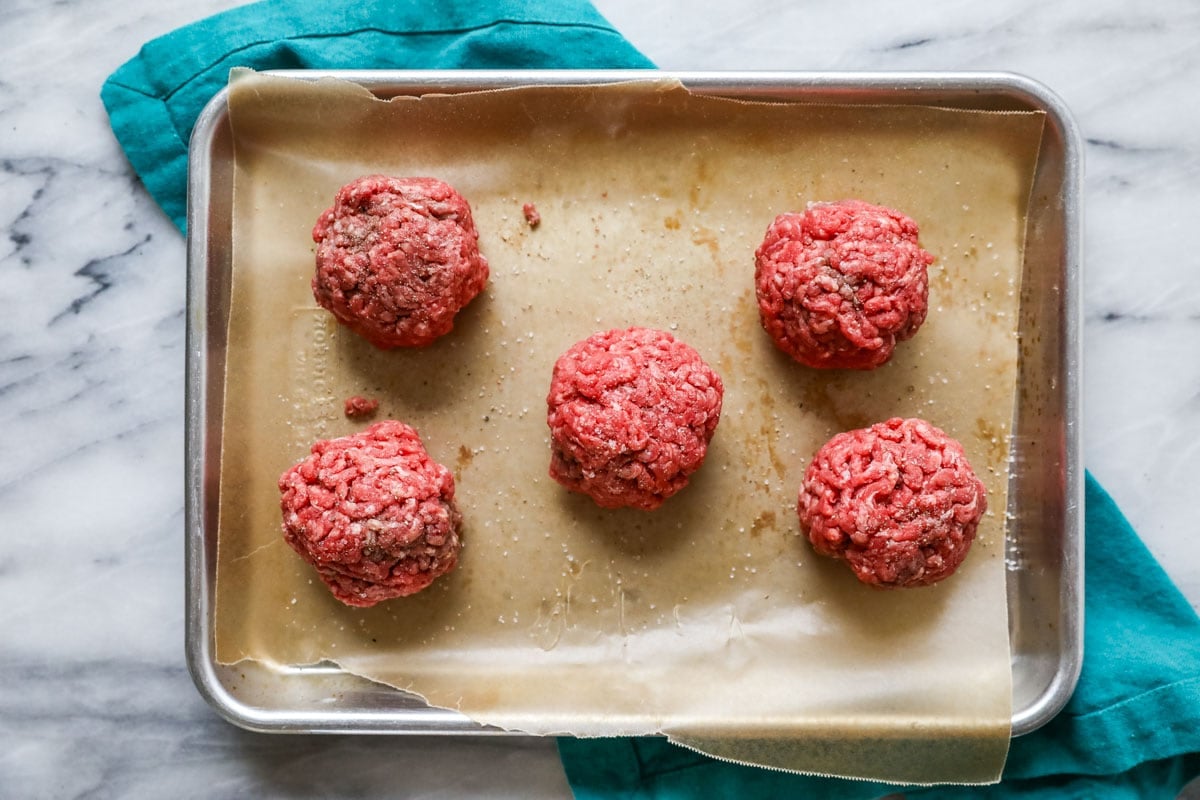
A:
(1044, 540)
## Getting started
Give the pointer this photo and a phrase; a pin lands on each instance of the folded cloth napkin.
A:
(154, 99)
(1135, 715)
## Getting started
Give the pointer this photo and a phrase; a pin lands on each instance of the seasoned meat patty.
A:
(897, 501)
(373, 513)
(631, 413)
(397, 258)
(841, 283)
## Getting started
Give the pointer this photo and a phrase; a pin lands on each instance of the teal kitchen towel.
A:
(1135, 716)
(1131, 730)
(154, 98)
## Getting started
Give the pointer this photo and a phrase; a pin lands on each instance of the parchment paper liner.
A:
(710, 620)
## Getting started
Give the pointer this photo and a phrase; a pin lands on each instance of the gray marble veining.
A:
(95, 700)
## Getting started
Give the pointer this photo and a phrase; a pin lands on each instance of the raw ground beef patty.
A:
(898, 501)
(397, 258)
(631, 413)
(373, 513)
(840, 284)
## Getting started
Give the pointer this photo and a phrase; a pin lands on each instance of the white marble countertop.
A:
(95, 699)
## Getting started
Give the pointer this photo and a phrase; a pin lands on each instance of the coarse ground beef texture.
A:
(898, 501)
(373, 513)
(840, 284)
(397, 258)
(631, 413)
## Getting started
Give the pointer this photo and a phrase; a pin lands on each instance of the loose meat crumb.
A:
(897, 501)
(373, 513)
(840, 284)
(631, 413)
(397, 258)
(532, 217)
(359, 407)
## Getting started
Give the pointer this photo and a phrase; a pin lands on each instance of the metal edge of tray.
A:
(197, 586)
(1070, 473)
(1005, 91)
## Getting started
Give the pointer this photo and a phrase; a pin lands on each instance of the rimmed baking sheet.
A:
(678, 245)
